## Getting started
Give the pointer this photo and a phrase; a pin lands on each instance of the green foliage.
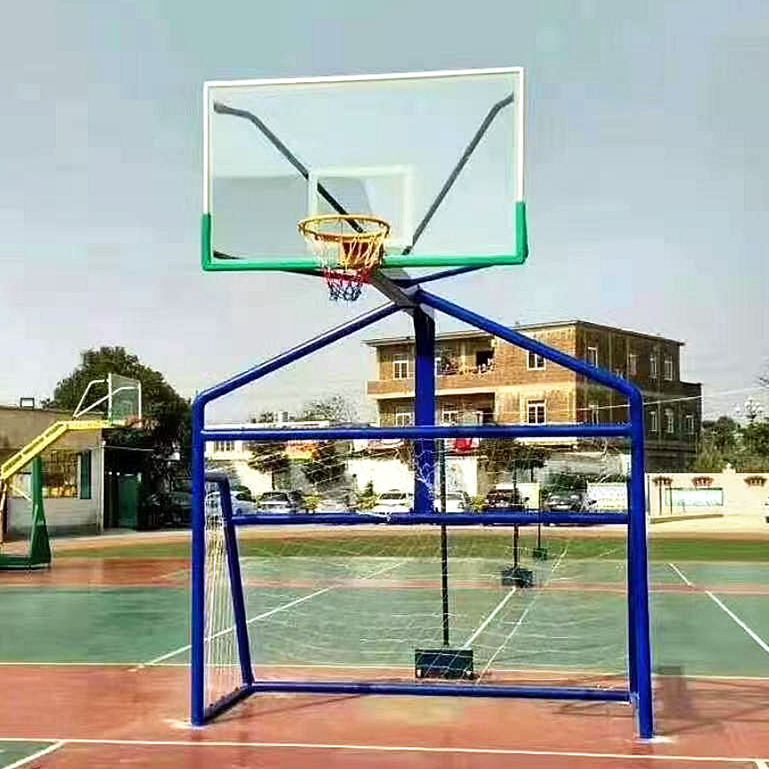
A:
(502, 455)
(268, 457)
(311, 501)
(325, 465)
(367, 498)
(723, 434)
(756, 439)
(578, 481)
(476, 503)
(724, 441)
(709, 459)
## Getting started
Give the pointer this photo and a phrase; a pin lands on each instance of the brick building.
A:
(494, 381)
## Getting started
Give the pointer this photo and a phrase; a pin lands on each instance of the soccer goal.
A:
(504, 558)
(505, 585)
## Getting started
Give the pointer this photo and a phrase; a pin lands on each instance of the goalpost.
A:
(414, 600)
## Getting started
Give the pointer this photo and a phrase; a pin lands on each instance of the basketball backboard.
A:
(439, 155)
(124, 406)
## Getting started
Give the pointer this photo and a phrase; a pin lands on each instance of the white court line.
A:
(392, 749)
(226, 630)
(491, 616)
(681, 574)
(753, 635)
(518, 624)
(502, 603)
(760, 641)
(40, 753)
(258, 617)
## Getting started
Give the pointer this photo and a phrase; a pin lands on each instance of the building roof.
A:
(36, 410)
(523, 327)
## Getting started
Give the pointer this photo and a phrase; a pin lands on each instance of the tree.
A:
(336, 409)
(755, 455)
(268, 457)
(503, 455)
(325, 466)
(722, 434)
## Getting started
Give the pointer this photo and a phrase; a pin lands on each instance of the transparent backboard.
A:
(125, 400)
(439, 155)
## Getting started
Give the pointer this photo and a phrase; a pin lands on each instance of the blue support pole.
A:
(432, 432)
(198, 575)
(639, 594)
(445, 690)
(424, 411)
(631, 603)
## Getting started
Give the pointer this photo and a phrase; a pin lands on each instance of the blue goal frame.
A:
(420, 304)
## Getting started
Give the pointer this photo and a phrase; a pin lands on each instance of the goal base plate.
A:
(443, 663)
(517, 576)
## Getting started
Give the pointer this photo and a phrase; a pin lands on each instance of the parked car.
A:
(281, 502)
(394, 501)
(456, 502)
(243, 500)
(569, 501)
(336, 501)
(504, 499)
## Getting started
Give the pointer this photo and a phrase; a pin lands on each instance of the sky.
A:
(647, 166)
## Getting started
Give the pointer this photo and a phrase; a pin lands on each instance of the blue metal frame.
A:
(639, 691)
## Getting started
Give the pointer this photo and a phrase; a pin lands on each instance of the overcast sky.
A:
(647, 179)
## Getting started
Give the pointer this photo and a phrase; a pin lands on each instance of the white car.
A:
(394, 501)
(456, 502)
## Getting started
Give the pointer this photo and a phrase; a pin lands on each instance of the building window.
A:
(85, 475)
(632, 364)
(220, 446)
(668, 371)
(654, 421)
(403, 418)
(592, 356)
(401, 368)
(670, 422)
(653, 367)
(449, 415)
(690, 424)
(536, 412)
(534, 361)
(60, 474)
(593, 413)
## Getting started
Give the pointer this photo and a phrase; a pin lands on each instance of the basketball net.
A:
(349, 247)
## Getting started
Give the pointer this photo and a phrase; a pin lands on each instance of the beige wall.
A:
(739, 496)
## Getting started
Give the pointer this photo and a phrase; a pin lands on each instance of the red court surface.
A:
(114, 715)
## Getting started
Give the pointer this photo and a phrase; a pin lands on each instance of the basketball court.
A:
(291, 639)
(98, 664)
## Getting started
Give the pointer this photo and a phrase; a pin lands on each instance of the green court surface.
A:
(373, 611)
(17, 753)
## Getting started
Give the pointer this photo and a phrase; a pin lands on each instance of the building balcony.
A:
(476, 379)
